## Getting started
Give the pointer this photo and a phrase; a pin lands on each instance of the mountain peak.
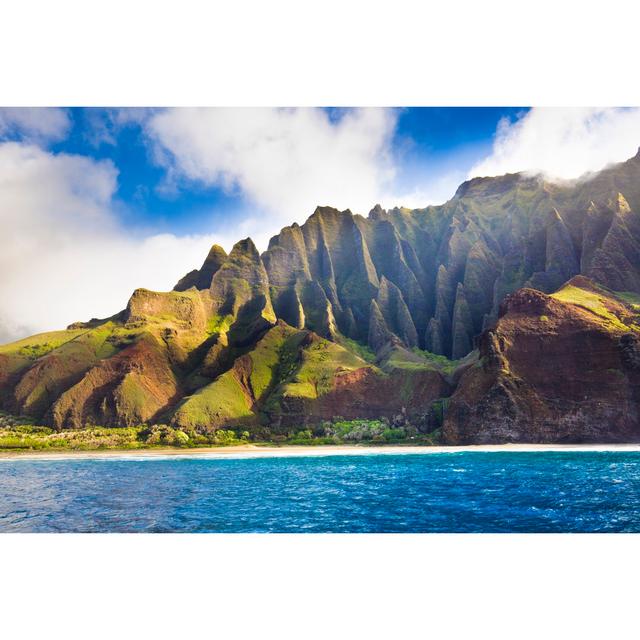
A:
(325, 210)
(216, 253)
(245, 247)
(377, 212)
(201, 278)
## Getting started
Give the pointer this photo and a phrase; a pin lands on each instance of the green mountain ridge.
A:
(344, 315)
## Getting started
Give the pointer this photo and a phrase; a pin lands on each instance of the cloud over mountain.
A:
(283, 161)
(562, 142)
(64, 254)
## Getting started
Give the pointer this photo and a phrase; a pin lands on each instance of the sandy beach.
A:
(267, 451)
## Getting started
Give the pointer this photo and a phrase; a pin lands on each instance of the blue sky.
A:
(430, 146)
(142, 199)
(436, 142)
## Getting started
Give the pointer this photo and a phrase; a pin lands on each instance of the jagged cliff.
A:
(347, 315)
(558, 368)
(437, 275)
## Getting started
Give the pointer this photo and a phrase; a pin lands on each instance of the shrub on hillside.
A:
(163, 434)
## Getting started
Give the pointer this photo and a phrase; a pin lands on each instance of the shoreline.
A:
(286, 451)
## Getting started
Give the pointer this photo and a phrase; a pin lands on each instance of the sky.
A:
(97, 202)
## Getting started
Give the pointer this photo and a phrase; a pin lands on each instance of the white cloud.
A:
(284, 161)
(38, 124)
(64, 256)
(563, 142)
(104, 125)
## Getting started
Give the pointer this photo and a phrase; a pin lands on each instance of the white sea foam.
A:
(232, 453)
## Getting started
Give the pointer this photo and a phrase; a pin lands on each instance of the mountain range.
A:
(511, 313)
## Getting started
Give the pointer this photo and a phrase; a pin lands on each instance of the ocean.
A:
(567, 491)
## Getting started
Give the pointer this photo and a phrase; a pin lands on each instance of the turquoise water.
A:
(448, 492)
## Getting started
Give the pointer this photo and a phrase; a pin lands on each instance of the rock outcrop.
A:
(201, 278)
(555, 368)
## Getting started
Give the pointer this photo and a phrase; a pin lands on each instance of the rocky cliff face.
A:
(558, 368)
(437, 275)
(361, 317)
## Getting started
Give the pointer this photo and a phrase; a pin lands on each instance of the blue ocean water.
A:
(444, 492)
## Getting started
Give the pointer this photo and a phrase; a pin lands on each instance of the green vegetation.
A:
(320, 361)
(435, 361)
(97, 342)
(371, 430)
(362, 431)
(361, 350)
(439, 409)
(632, 299)
(219, 324)
(40, 344)
(418, 360)
(18, 434)
(132, 397)
(163, 435)
(223, 399)
(42, 438)
(591, 301)
(33, 438)
(273, 359)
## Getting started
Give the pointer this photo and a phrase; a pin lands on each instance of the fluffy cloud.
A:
(285, 162)
(563, 142)
(64, 256)
(37, 124)
(105, 124)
